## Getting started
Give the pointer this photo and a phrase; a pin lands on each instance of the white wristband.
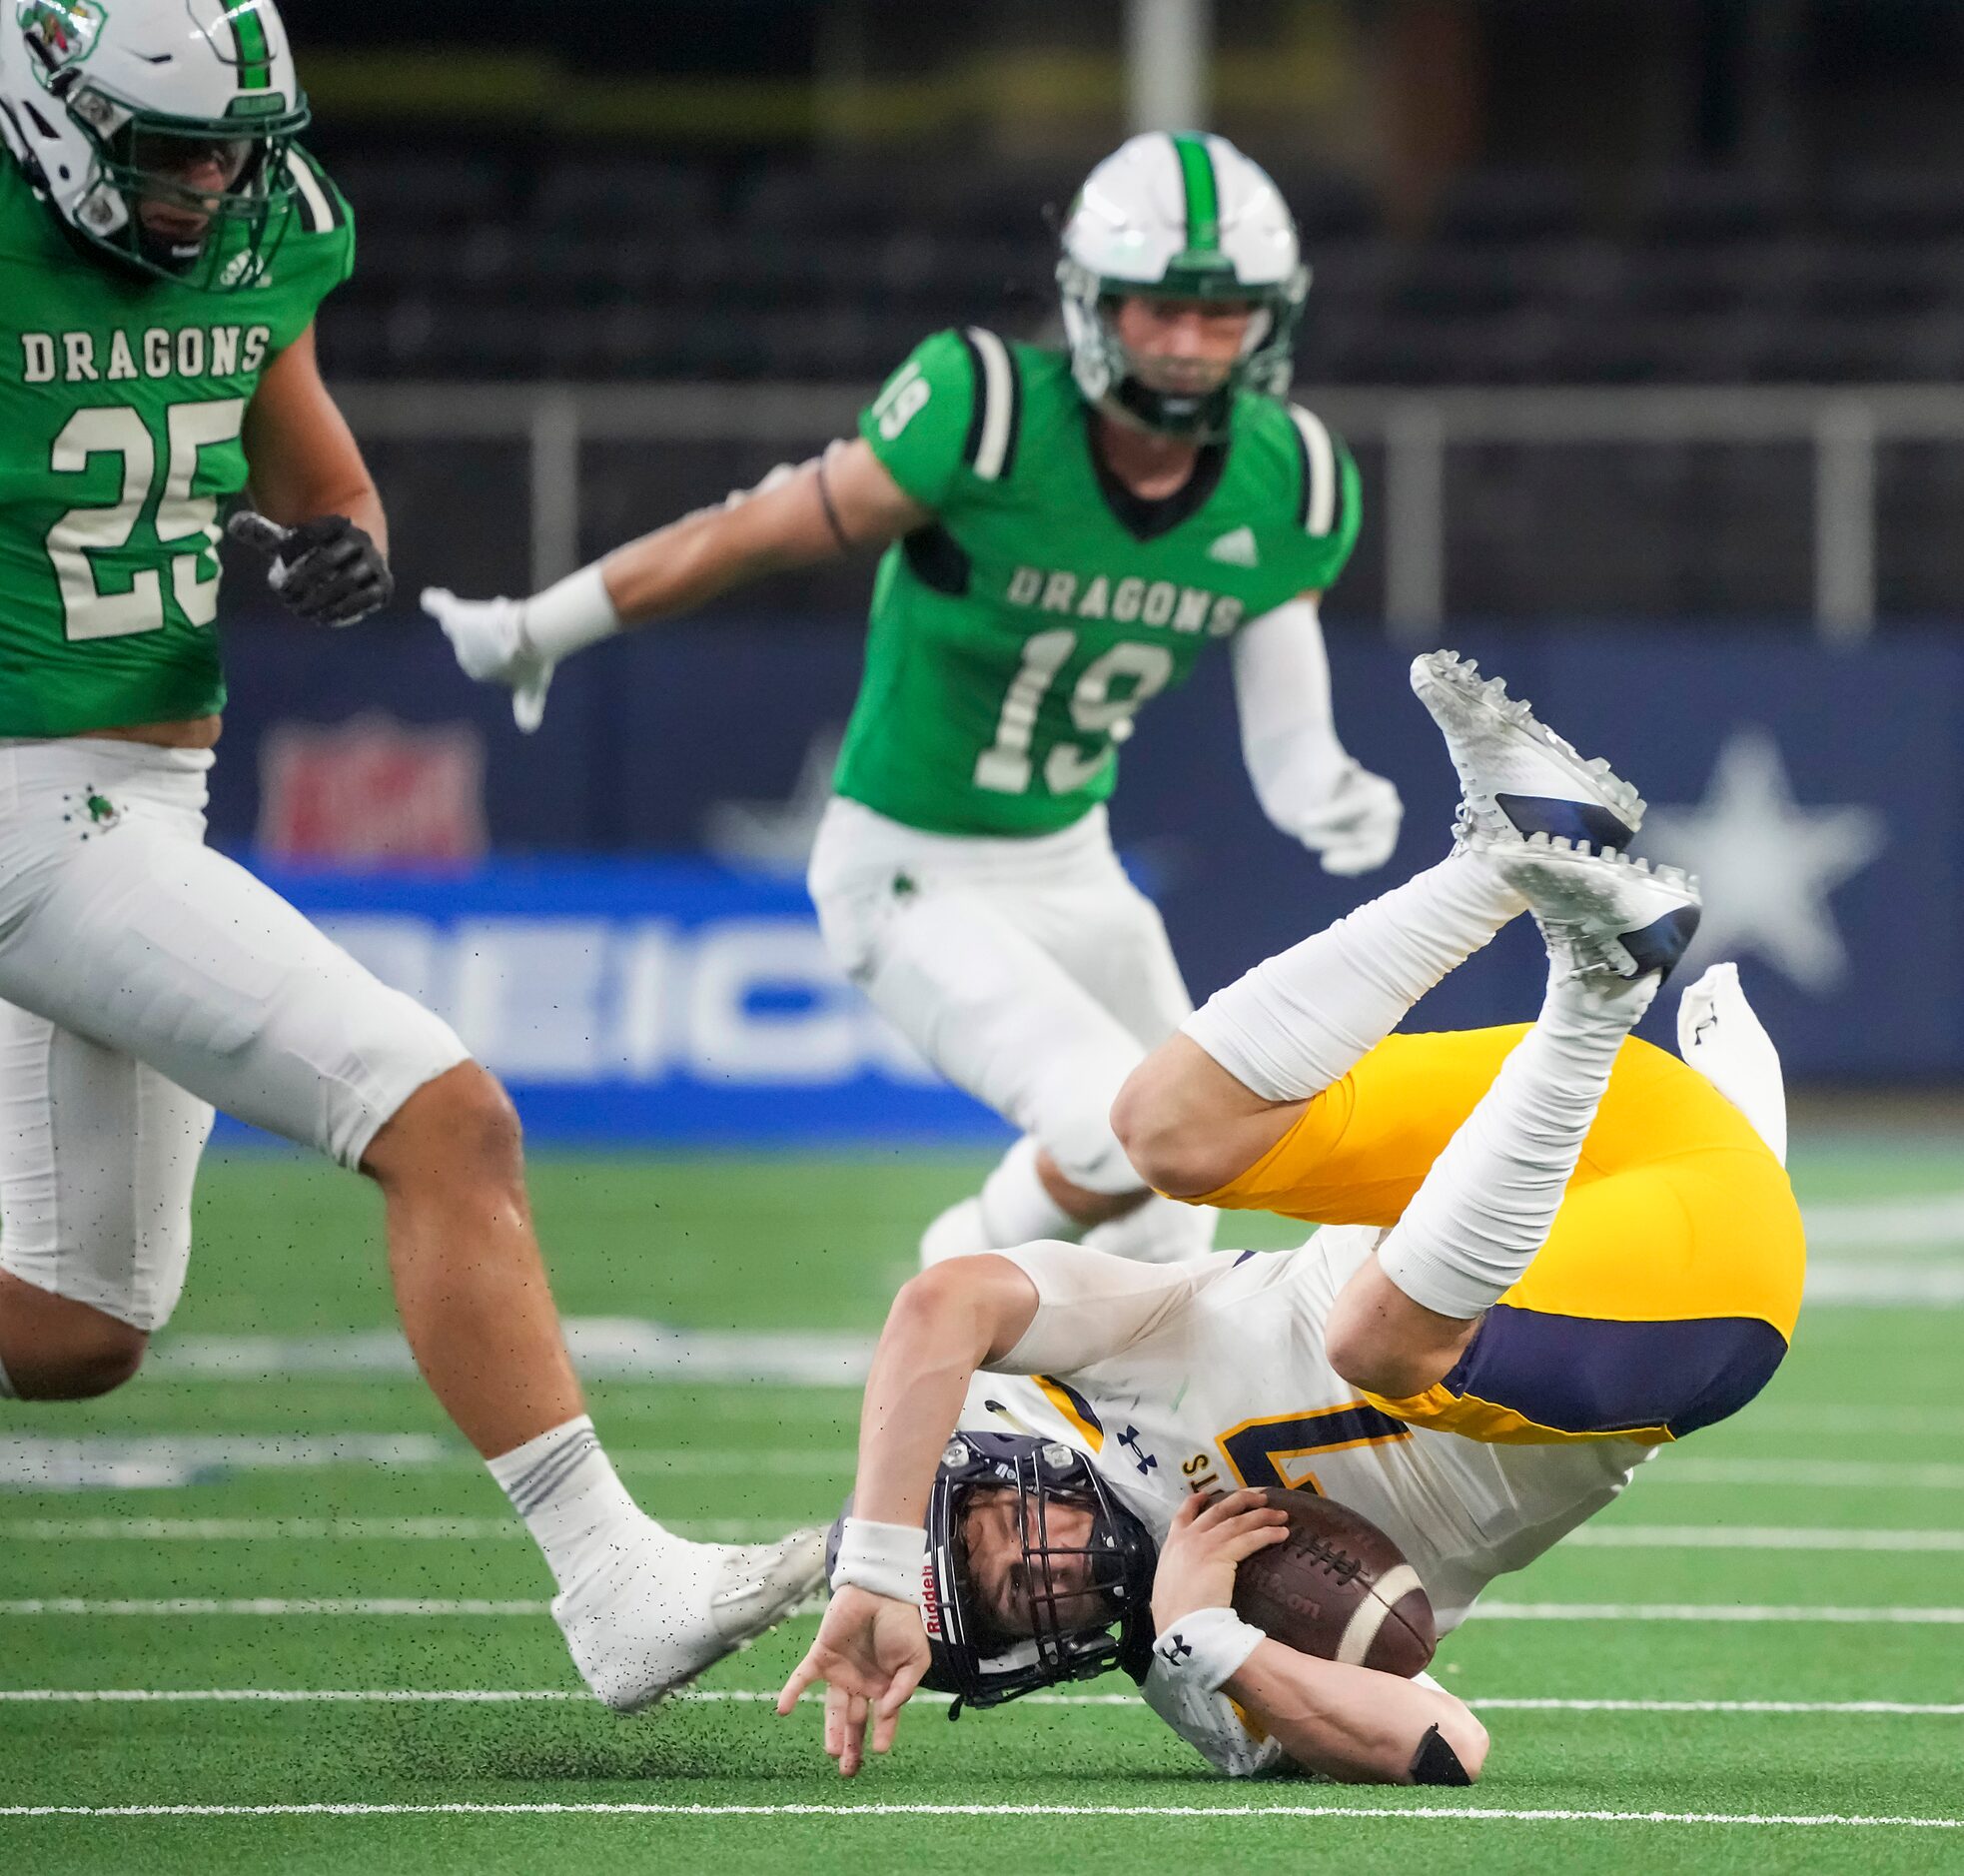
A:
(1206, 1648)
(886, 1559)
(568, 616)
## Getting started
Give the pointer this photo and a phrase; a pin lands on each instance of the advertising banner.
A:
(1817, 791)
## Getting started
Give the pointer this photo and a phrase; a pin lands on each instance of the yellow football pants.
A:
(1667, 1290)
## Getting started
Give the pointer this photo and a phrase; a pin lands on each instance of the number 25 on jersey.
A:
(119, 431)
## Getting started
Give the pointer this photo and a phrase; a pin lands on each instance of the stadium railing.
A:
(1407, 436)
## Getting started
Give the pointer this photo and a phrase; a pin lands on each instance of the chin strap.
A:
(1435, 1763)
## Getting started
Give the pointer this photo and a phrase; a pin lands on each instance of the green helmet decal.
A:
(61, 32)
(248, 41)
(1203, 198)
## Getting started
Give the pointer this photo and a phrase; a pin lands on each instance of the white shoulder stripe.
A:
(1321, 458)
(320, 210)
(998, 392)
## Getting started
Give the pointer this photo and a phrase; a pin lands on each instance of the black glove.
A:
(327, 571)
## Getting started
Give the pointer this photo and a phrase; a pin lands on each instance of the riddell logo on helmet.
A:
(64, 32)
(930, 1602)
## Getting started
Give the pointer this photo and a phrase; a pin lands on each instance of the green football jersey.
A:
(1012, 642)
(122, 401)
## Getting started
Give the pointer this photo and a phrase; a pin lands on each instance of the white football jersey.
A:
(1230, 1386)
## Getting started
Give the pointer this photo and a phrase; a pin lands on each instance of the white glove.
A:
(1353, 828)
(489, 640)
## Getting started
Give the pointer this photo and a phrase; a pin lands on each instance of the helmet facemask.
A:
(1082, 1629)
(1100, 356)
(140, 156)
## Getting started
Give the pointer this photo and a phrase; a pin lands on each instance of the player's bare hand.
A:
(1355, 827)
(489, 640)
(870, 1651)
(1209, 1539)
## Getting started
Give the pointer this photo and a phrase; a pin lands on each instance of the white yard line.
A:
(1852, 1474)
(227, 1530)
(333, 1530)
(420, 1606)
(1758, 1537)
(177, 1459)
(1500, 1612)
(268, 1605)
(1851, 1416)
(168, 1459)
(758, 1696)
(1929, 1219)
(1428, 1813)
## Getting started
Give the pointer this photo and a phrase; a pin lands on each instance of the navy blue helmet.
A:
(970, 1661)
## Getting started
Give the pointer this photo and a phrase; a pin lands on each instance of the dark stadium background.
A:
(1645, 322)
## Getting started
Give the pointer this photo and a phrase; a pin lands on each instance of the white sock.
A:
(565, 1488)
(1303, 1020)
(6, 1387)
(1016, 1206)
(1162, 1230)
(1490, 1199)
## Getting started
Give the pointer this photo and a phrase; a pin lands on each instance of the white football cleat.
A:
(659, 1609)
(1718, 1034)
(1602, 914)
(1517, 777)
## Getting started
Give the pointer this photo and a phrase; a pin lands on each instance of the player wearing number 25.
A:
(1065, 535)
(163, 244)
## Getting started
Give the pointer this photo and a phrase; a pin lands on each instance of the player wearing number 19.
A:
(163, 244)
(1065, 535)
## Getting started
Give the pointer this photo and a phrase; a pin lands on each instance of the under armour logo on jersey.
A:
(1130, 1440)
(1174, 1648)
(1236, 548)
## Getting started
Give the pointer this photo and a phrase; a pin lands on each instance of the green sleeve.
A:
(1328, 554)
(918, 425)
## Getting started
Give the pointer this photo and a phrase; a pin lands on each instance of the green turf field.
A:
(1754, 1661)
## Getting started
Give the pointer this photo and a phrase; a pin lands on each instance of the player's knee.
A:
(1369, 1347)
(92, 1358)
(1463, 1731)
(1166, 1134)
(460, 1124)
(486, 1124)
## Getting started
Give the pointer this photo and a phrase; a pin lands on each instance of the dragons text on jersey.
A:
(119, 357)
(123, 402)
(1015, 637)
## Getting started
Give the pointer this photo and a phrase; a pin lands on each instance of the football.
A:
(1339, 1589)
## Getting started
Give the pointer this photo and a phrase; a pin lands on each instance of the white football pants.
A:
(147, 979)
(1029, 972)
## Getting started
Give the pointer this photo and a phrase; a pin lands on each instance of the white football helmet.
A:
(101, 100)
(1191, 218)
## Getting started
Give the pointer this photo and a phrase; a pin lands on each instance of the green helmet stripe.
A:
(249, 39)
(1203, 199)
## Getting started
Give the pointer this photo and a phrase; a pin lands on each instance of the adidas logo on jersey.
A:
(1235, 548)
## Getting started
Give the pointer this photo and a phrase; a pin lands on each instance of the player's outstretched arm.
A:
(871, 1650)
(1310, 787)
(836, 504)
(1357, 1725)
(318, 518)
